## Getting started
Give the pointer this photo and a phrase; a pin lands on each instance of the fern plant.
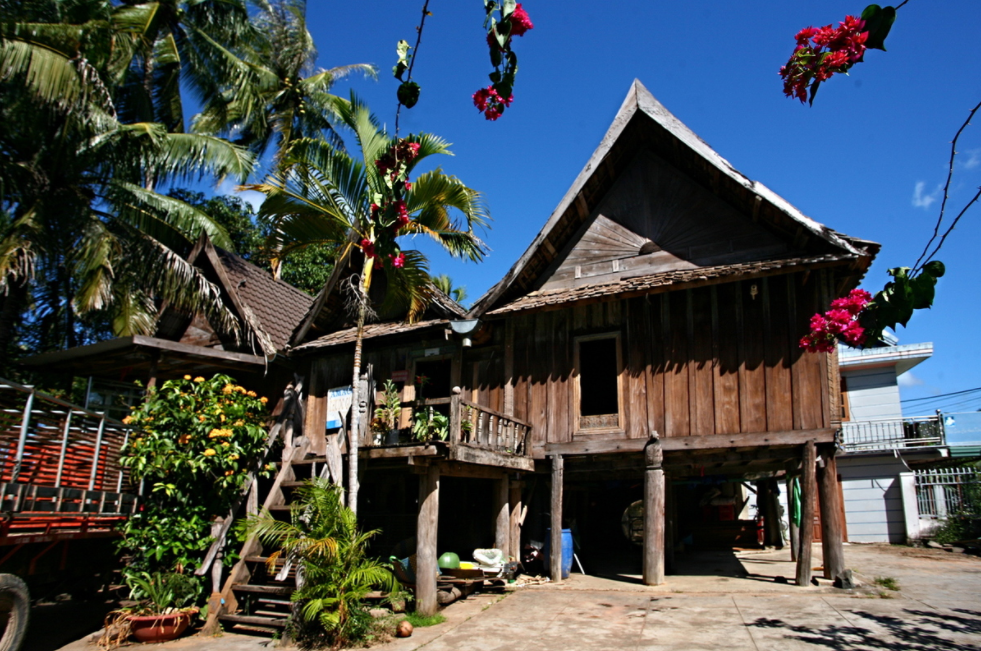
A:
(334, 570)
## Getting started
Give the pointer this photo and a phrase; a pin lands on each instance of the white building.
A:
(881, 447)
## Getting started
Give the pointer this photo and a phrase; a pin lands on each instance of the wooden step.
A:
(309, 461)
(254, 620)
(250, 629)
(284, 590)
(292, 484)
(269, 613)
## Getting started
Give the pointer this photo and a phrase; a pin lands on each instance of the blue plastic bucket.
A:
(566, 551)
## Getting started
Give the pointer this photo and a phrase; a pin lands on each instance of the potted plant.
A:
(389, 411)
(162, 612)
(429, 424)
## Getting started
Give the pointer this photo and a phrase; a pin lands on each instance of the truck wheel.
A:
(15, 606)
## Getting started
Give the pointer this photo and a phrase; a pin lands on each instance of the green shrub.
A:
(336, 573)
(194, 444)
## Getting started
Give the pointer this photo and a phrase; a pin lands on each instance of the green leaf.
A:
(878, 22)
(935, 268)
(814, 91)
(402, 49)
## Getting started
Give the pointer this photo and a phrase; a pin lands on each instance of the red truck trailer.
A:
(62, 495)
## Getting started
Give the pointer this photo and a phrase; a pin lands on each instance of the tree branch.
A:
(943, 204)
(412, 61)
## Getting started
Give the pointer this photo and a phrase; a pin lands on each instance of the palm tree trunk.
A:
(352, 447)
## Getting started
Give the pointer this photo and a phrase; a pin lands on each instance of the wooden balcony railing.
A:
(474, 425)
(483, 427)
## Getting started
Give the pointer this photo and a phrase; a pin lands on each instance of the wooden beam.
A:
(807, 514)
(710, 442)
(427, 526)
(471, 454)
(502, 516)
(831, 524)
(514, 501)
(459, 469)
(654, 514)
(555, 535)
(670, 526)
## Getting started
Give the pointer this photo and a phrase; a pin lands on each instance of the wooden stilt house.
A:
(642, 350)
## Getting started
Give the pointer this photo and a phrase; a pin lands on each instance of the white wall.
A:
(872, 393)
(873, 497)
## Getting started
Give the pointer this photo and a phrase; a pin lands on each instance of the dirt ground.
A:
(720, 600)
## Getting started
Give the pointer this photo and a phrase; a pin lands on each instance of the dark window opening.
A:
(598, 393)
(437, 379)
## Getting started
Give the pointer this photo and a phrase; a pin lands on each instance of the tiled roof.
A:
(653, 282)
(348, 335)
(277, 305)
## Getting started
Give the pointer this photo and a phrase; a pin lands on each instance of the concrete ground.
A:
(742, 606)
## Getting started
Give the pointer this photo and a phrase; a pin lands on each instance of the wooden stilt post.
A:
(151, 380)
(426, 537)
(762, 502)
(791, 518)
(555, 538)
(502, 516)
(831, 525)
(670, 523)
(515, 503)
(806, 515)
(653, 513)
(775, 538)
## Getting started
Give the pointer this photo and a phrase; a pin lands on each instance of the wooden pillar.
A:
(502, 516)
(515, 503)
(670, 535)
(555, 538)
(806, 515)
(426, 540)
(151, 380)
(791, 519)
(774, 534)
(762, 509)
(831, 525)
(653, 513)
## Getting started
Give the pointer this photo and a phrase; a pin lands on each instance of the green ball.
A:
(449, 561)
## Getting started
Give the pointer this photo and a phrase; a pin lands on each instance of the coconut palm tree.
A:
(445, 284)
(364, 206)
(283, 98)
(82, 225)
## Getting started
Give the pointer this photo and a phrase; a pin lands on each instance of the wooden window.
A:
(846, 412)
(599, 368)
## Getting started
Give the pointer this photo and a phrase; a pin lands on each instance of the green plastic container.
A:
(449, 561)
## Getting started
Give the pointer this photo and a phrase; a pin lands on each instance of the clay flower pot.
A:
(160, 628)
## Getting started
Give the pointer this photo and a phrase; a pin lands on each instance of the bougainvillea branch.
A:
(840, 323)
(503, 21)
(408, 91)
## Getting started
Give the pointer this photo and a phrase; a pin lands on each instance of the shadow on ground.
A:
(922, 630)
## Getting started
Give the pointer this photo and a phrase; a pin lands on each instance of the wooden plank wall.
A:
(713, 360)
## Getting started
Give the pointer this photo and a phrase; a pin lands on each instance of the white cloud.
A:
(907, 380)
(921, 200)
(249, 196)
(973, 159)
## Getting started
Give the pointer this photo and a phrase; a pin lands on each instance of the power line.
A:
(942, 395)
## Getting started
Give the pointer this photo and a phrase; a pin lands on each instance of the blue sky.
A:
(867, 159)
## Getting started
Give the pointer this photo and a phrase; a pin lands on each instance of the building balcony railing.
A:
(893, 433)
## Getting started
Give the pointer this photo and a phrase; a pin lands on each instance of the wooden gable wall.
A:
(704, 361)
(654, 219)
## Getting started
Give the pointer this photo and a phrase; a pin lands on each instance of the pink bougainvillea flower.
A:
(520, 21)
(822, 52)
(368, 247)
(398, 261)
(840, 323)
(481, 96)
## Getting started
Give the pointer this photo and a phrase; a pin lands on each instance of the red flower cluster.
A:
(838, 323)
(821, 52)
(492, 104)
(368, 247)
(520, 21)
(401, 152)
(398, 261)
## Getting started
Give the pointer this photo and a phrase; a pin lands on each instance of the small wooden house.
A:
(644, 348)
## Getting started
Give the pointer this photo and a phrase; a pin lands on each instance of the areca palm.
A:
(364, 206)
(282, 98)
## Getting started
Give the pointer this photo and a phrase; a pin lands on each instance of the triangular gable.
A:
(206, 257)
(653, 181)
(328, 314)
